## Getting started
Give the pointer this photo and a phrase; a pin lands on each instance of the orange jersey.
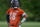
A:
(15, 15)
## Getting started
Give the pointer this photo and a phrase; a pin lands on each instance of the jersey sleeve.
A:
(8, 11)
(22, 12)
(8, 20)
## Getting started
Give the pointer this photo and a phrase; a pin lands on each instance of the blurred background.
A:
(31, 7)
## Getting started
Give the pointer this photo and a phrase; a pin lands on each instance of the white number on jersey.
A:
(12, 16)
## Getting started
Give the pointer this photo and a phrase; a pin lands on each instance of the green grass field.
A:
(26, 24)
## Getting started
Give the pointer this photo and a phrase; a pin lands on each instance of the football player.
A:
(13, 16)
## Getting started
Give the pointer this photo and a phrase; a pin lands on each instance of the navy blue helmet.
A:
(15, 2)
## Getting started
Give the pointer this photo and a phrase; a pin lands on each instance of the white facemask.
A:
(15, 7)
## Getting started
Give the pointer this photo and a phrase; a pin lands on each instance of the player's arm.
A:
(7, 16)
(25, 17)
(8, 19)
(23, 20)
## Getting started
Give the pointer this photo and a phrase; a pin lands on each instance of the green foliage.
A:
(31, 7)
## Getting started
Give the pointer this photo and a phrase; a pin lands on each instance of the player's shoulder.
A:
(20, 9)
(10, 9)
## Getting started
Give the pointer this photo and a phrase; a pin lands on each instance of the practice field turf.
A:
(26, 24)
